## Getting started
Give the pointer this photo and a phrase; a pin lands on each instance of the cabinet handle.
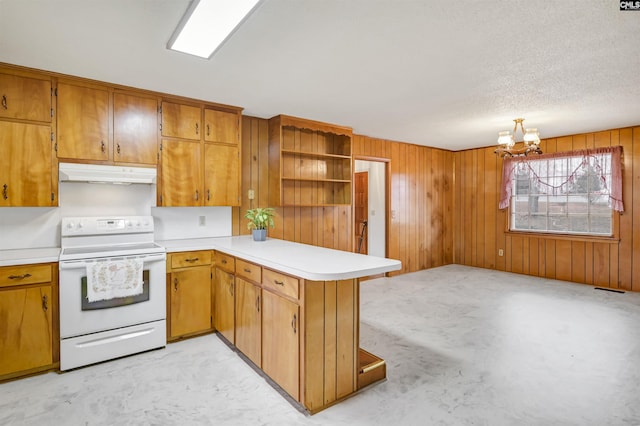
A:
(223, 261)
(208, 132)
(294, 323)
(208, 195)
(19, 277)
(4, 102)
(258, 303)
(102, 146)
(175, 284)
(231, 289)
(192, 259)
(118, 148)
(45, 303)
(197, 130)
(247, 270)
(197, 195)
(278, 282)
(5, 187)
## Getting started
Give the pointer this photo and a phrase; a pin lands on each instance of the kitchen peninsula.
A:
(291, 309)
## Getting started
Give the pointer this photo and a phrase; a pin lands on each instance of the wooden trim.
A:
(302, 123)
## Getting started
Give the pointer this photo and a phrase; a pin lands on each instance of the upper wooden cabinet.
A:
(181, 182)
(25, 98)
(25, 165)
(221, 175)
(309, 163)
(83, 122)
(181, 121)
(135, 129)
(221, 126)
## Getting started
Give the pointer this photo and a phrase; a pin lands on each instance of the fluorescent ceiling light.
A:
(208, 23)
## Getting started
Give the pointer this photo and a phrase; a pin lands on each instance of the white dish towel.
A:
(110, 279)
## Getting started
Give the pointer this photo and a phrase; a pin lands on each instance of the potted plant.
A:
(259, 219)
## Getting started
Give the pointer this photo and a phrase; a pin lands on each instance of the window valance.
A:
(559, 173)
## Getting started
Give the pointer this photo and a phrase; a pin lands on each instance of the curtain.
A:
(556, 173)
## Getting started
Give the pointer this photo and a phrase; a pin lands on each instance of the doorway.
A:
(370, 207)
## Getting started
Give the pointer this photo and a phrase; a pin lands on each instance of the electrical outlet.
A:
(251, 194)
(500, 252)
(202, 220)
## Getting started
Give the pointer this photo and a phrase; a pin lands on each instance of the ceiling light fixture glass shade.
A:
(530, 138)
(207, 24)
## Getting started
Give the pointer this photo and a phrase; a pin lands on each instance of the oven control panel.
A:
(106, 225)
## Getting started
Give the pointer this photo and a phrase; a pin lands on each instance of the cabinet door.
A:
(248, 320)
(25, 98)
(181, 121)
(223, 312)
(221, 175)
(221, 126)
(280, 342)
(180, 175)
(135, 129)
(26, 339)
(190, 296)
(83, 122)
(25, 165)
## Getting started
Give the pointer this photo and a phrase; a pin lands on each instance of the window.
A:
(564, 193)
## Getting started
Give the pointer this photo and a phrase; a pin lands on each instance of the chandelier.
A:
(506, 141)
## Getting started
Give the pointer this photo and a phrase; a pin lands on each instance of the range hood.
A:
(98, 173)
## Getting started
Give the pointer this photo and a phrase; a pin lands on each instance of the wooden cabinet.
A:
(309, 163)
(248, 327)
(181, 121)
(83, 122)
(28, 309)
(135, 129)
(102, 124)
(221, 175)
(25, 165)
(280, 342)
(27, 159)
(212, 176)
(25, 98)
(180, 174)
(189, 293)
(224, 307)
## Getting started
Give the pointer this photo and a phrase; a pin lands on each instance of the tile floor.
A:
(464, 346)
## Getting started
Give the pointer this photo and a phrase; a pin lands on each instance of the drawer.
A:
(24, 274)
(370, 369)
(190, 258)
(281, 283)
(249, 271)
(225, 262)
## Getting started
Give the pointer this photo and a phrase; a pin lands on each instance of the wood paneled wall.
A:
(421, 195)
(481, 227)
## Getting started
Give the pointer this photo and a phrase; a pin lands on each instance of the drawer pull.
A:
(294, 323)
(247, 270)
(45, 303)
(19, 277)
(372, 366)
(223, 261)
(192, 259)
(279, 282)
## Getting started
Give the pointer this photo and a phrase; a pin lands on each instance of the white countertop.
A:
(301, 260)
(29, 256)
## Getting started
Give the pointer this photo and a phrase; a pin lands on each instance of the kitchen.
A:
(171, 223)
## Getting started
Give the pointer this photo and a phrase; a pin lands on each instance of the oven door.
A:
(78, 316)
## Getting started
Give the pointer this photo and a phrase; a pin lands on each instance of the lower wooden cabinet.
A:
(28, 319)
(249, 320)
(280, 342)
(224, 308)
(189, 294)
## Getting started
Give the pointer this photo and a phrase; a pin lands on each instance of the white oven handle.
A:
(82, 263)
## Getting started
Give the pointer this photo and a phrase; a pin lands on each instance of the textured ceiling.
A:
(442, 73)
